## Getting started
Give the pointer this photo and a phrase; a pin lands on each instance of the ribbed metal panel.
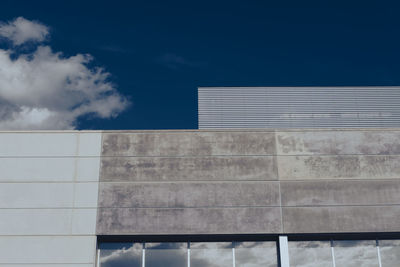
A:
(298, 107)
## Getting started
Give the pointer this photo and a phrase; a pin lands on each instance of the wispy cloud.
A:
(44, 89)
(113, 49)
(173, 61)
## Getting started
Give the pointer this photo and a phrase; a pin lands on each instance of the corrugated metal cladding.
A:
(298, 107)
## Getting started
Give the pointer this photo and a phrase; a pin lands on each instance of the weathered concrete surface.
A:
(341, 219)
(207, 182)
(188, 168)
(344, 166)
(189, 221)
(343, 192)
(188, 143)
(186, 195)
(338, 142)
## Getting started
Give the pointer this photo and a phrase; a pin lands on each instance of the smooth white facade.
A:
(48, 198)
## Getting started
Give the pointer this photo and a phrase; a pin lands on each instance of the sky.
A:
(137, 64)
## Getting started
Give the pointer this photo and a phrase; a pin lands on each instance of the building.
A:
(212, 197)
(299, 107)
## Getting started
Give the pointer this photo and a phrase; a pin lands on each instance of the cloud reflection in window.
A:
(255, 254)
(310, 254)
(121, 255)
(211, 254)
(166, 254)
(356, 253)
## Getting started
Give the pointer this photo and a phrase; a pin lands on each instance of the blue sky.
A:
(158, 52)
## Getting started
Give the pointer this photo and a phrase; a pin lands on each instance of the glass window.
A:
(310, 254)
(120, 255)
(211, 254)
(254, 254)
(356, 253)
(390, 252)
(166, 255)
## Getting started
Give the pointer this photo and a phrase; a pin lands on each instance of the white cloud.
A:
(22, 30)
(46, 90)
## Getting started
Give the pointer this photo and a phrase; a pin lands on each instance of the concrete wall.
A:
(48, 198)
(249, 181)
(189, 182)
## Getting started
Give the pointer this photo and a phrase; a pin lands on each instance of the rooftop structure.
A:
(298, 107)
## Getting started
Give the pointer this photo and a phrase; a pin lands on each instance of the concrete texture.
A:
(339, 142)
(188, 195)
(340, 193)
(188, 143)
(189, 221)
(344, 166)
(342, 219)
(188, 168)
(52, 184)
(323, 181)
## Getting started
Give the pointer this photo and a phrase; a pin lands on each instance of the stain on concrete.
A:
(188, 168)
(189, 195)
(189, 221)
(188, 143)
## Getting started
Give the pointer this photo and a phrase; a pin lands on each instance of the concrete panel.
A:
(86, 195)
(188, 168)
(380, 166)
(325, 167)
(36, 195)
(47, 249)
(89, 144)
(179, 195)
(318, 167)
(188, 143)
(344, 192)
(341, 219)
(189, 221)
(338, 142)
(47, 221)
(39, 144)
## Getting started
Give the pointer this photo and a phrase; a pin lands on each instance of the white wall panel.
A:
(48, 198)
(89, 144)
(87, 169)
(86, 195)
(83, 222)
(49, 169)
(48, 265)
(37, 169)
(47, 221)
(47, 249)
(36, 195)
(39, 144)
